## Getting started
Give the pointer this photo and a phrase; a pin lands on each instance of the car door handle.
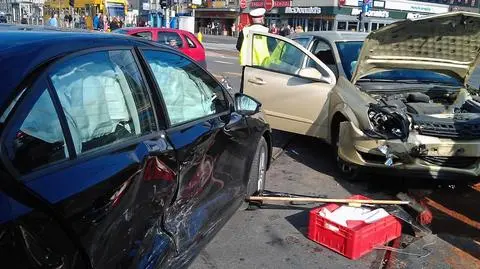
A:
(258, 81)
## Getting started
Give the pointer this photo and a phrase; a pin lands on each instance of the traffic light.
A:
(163, 3)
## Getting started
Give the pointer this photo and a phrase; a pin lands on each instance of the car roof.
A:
(154, 28)
(21, 52)
(334, 36)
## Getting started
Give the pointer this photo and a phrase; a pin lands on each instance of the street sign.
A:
(243, 4)
(269, 4)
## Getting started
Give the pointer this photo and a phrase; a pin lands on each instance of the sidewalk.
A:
(219, 39)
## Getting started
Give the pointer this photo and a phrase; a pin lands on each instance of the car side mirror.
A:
(311, 73)
(246, 105)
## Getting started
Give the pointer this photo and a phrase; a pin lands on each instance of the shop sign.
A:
(416, 6)
(219, 4)
(412, 16)
(353, 3)
(379, 4)
(257, 4)
(303, 10)
(269, 4)
(371, 13)
(282, 3)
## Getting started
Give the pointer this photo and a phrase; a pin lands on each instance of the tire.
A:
(258, 172)
(346, 170)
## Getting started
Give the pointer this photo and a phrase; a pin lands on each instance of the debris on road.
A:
(358, 237)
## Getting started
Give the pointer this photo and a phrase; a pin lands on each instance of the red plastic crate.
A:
(351, 242)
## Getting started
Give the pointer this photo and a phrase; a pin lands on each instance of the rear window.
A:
(190, 42)
(165, 37)
(145, 35)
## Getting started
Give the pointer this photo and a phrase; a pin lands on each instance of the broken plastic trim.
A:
(387, 122)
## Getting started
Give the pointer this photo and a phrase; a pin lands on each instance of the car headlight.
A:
(387, 123)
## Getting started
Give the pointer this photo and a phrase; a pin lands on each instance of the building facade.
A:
(16, 10)
(344, 15)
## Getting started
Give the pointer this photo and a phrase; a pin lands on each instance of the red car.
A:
(185, 41)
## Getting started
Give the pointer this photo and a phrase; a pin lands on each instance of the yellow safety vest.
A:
(259, 50)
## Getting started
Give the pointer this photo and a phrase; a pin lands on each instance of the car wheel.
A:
(258, 171)
(346, 170)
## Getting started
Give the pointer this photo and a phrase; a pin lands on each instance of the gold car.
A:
(397, 101)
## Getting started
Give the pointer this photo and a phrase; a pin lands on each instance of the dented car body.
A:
(396, 102)
(117, 152)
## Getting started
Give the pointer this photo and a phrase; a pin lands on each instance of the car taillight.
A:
(157, 170)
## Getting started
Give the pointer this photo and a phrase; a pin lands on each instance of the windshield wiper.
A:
(376, 80)
(419, 81)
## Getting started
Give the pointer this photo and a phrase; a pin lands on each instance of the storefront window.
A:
(365, 27)
(342, 26)
(352, 26)
(374, 26)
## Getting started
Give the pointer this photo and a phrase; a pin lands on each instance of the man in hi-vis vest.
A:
(244, 42)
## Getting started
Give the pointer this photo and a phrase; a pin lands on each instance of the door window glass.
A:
(190, 42)
(302, 41)
(39, 140)
(144, 35)
(170, 38)
(188, 91)
(324, 53)
(277, 56)
(104, 98)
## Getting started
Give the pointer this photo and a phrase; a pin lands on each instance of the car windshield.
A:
(350, 50)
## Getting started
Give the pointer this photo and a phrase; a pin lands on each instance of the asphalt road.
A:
(275, 236)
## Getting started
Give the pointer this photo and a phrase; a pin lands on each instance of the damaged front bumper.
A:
(422, 156)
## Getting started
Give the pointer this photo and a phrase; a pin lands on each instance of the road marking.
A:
(231, 74)
(219, 55)
(453, 214)
(222, 62)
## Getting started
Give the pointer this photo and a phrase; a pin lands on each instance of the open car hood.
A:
(447, 43)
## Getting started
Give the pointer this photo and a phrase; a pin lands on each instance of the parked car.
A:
(185, 41)
(117, 152)
(397, 103)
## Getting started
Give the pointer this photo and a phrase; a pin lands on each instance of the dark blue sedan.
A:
(118, 153)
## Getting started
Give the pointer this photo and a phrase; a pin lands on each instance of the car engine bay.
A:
(439, 112)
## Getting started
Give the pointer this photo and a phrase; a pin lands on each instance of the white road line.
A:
(222, 62)
(227, 74)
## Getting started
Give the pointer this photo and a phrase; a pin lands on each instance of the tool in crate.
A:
(406, 208)
(355, 239)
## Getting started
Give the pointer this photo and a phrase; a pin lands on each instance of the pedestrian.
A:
(96, 21)
(284, 31)
(65, 20)
(260, 49)
(83, 22)
(106, 24)
(173, 43)
(115, 24)
(274, 29)
(299, 29)
(53, 20)
(70, 20)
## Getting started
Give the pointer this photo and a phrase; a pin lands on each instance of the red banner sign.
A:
(269, 4)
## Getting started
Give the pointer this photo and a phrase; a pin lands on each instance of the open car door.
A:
(290, 82)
